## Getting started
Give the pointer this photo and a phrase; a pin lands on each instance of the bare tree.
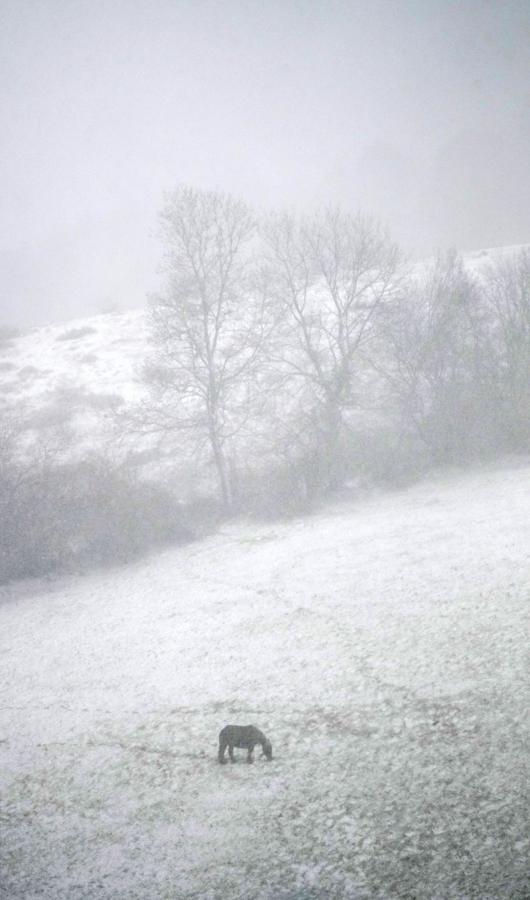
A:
(436, 359)
(331, 274)
(506, 285)
(207, 327)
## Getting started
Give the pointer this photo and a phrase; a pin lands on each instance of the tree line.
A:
(293, 352)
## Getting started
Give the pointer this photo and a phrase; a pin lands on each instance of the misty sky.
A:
(417, 111)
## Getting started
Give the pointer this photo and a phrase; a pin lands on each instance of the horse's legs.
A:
(249, 754)
(231, 753)
(222, 748)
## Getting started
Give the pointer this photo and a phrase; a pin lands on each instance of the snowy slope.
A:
(74, 376)
(100, 353)
(382, 646)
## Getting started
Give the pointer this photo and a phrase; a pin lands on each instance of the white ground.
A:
(383, 647)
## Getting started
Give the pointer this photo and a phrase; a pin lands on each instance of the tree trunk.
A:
(332, 457)
(220, 466)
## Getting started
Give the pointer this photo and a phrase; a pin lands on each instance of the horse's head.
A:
(267, 749)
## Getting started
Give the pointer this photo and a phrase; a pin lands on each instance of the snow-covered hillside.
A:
(99, 355)
(382, 646)
(70, 375)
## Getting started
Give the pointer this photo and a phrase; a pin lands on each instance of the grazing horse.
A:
(245, 736)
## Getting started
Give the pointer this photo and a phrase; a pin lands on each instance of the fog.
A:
(273, 511)
(416, 111)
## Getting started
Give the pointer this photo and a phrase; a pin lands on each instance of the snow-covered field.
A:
(382, 646)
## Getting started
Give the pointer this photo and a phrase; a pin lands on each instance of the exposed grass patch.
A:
(73, 334)
(8, 334)
(30, 373)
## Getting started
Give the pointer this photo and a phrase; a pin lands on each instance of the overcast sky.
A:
(417, 110)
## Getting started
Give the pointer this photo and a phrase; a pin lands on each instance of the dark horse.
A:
(244, 736)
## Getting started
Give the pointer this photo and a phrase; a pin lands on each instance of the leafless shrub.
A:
(58, 515)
